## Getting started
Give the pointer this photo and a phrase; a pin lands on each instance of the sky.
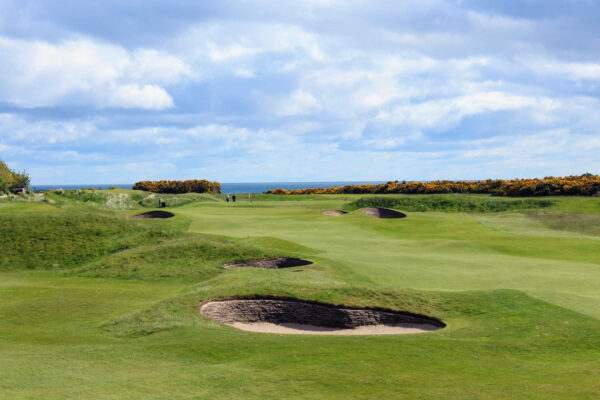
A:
(119, 91)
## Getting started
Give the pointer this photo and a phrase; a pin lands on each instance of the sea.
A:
(234, 187)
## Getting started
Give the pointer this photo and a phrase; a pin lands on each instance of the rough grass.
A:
(176, 200)
(61, 240)
(92, 199)
(190, 258)
(588, 224)
(448, 203)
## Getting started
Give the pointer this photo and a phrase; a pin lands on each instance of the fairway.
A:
(115, 314)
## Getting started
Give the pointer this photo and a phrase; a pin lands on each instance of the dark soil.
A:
(270, 263)
(154, 214)
(291, 311)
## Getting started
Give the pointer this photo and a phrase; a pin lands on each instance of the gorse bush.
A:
(582, 185)
(189, 186)
(448, 203)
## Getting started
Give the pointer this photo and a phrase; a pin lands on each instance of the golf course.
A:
(95, 304)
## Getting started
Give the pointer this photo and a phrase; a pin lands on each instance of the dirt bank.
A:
(154, 214)
(269, 263)
(300, 317)
(378, 212)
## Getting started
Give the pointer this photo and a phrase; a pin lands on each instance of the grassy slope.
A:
(74, 337)
(430, 251)
(448, 203)
(59, 240)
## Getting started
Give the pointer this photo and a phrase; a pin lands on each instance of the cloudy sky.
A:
(243, 91)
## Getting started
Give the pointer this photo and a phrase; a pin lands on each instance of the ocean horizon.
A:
(226, 187)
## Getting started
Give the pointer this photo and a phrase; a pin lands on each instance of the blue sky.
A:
(315, 90)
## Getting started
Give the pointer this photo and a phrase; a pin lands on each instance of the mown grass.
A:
(449, 203)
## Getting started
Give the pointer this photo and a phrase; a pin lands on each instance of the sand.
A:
(334, 213)
(301, 329)
(269, 263)
(292, 316)
(379, 212)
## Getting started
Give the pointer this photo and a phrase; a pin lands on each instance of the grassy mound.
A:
(187, 258)
(448, 203)
(91, 198)
(175, 200)
(587, 224)
(61, 240)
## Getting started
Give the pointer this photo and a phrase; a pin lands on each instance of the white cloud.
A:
(150, 97)
(225, 53)
(575, 71)
(300, 102)
(244, 73)
(444, 112)
(81, 71)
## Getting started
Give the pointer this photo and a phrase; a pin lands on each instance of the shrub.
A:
(189, 186)
(582, 185)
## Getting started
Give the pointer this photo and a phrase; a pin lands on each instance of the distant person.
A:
(227, 198)
(233, 198)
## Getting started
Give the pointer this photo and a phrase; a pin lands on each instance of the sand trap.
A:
(154, 214)
(334, 213)
(382, 212)
(306, 318)
(270, 263)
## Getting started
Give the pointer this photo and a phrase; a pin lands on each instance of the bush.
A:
(189, 186)
(582, 185)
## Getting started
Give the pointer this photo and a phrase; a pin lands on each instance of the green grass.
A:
(448, 203)
(581, 223)
(86, 199)
(175, 200)
(59, 240)
(118, 317)
(189, 258)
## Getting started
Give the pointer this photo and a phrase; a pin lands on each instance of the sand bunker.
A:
(334, 213)
(382, 212)
(270, 263)
(154, 214)
(287, 316)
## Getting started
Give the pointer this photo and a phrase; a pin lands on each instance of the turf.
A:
(117, 318)
(448, 203)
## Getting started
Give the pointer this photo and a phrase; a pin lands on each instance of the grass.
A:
(118, 317)
(59, 240)
(448, 203)
(581, 223)
(176, 200)
(189, 258)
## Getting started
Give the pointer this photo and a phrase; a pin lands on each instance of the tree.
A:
(10, 179)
